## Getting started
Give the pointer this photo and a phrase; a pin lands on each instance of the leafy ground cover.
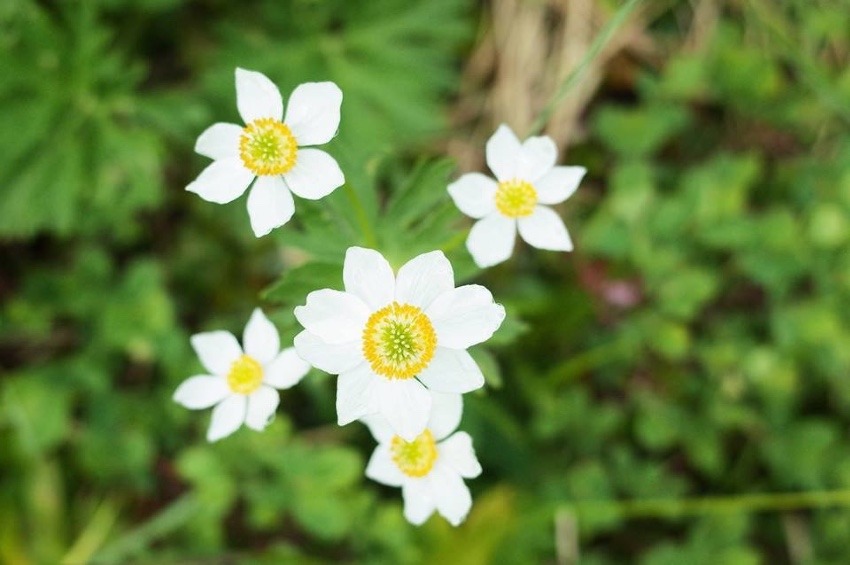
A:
(677, 390)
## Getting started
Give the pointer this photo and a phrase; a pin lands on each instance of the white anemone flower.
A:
(431, 468)
(527, 182)
(271, 149)
(391, 338)
(241, 384)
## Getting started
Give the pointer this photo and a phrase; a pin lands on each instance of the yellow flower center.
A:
(399, 341)
(414, 458)
(245, 375)
(516, 198)
(267, 147)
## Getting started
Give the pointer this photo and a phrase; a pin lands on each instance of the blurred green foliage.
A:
(696, 343)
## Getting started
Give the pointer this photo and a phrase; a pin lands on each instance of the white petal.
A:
(424, 278)
(286, 370)
(406, 405)
(450, 494)
(465, 316)
(380, 428)
(544, 229)
(355, 394)
(503, 153)
(558, 184)
(333, 316)
(257, 96)
(270, 204)
(315, 174)
(261, 339)
(382, 469)
(491, 240)
(227, 417)
(452, 370)
(219, 141)
(368, 275)
(418, 502)
(222, 181)
(538, 157)
(261, 407)
(473, 194)
(446, 411)
(312, 112)
(334, 358)
(458, 453)
(216, 350)
(201, 391)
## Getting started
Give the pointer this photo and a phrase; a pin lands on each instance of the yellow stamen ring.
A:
(516, 198)
(245, 376)
(267, 147)
(414, 458)
(399, 341)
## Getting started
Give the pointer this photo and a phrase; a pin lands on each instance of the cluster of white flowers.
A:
(397, 341)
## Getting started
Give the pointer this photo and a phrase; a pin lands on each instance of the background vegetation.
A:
(696, 344)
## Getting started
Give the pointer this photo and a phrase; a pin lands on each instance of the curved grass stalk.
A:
(576, 74)
(700, 506)
(371, 239)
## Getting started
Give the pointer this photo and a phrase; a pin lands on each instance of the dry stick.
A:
(572, 79)
(566, 538)
(798, 539)
(575, 39)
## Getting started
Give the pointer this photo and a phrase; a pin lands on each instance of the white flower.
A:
(241, 385)
(431, 468)
(528, 180)
(389, 337)
(271, 150)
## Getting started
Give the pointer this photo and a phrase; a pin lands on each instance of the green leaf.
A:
(77, 156)
(489, 366)
(801, 456)
(828, 226)
(717, 190)
(639, 132)
(658, 425)
(38, 411)
(669, 339)
(685, 294)
(294, 285)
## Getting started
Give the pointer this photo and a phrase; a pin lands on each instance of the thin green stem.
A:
(362, 217)
(573, 78)
(170, 519)
(454, 242)
(812, 76)
(698, 506)
(585, 361)
(94, 534)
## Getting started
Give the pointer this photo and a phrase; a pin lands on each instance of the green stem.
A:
(170, 519)
(585, 361)
(572, 79)
(454, 242)
(745, 503)
(93, 535)
(362, 217)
